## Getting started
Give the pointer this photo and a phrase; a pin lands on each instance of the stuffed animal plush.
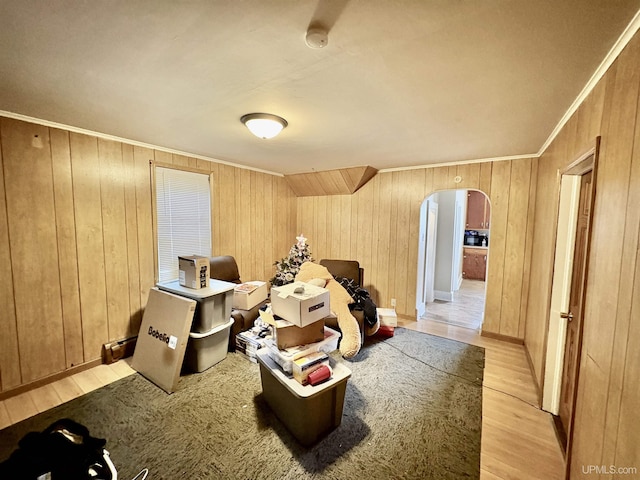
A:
(340, 300)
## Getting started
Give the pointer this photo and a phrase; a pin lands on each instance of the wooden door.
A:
(575, 314)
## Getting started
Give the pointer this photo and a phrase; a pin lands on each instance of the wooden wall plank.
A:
(373, 270)
(336, 227)
(500, 181)
(403, 242)
(417, 195)
(526, 272)
(515, 244)
(66, 236)
(244, 253)
(226, 224)
(142, 158)
(346, 227)
(629, 265)
(319, 228)
(269, 230)
(89, 238)
(469, 174)
(114, 230)
(10, 375)
(163, 157)
(131, 226)
(34, 247)
(595, 359)
(382, 282)
(626, 436)
(485, 178)
(179, 160)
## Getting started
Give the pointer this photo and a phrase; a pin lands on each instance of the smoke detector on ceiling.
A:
(317, 37)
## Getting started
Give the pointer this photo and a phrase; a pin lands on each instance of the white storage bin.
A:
(213, 303)
(204, 350)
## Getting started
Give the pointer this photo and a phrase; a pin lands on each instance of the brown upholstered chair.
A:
(225, 268)
(348, 269)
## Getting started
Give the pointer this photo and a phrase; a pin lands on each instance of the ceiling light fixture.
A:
(264, 125)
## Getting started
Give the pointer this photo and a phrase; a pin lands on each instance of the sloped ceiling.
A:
(400, 83)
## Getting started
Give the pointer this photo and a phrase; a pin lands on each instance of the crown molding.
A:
(461, 162)
(47, 123)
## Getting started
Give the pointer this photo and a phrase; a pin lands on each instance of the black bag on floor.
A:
(361, 298)
(64, 450)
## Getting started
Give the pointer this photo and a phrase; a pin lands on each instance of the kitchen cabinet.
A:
(474, 263)
(478, 210)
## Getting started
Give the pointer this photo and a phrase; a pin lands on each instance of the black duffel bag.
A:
(64, 450)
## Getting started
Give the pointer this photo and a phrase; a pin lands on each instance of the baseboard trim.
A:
(49, 379)
(505, 338)
(444, 296)
(533, 376)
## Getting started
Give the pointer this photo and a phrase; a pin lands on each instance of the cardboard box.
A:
(387, 317)
(194, 271)
(163, 338)
(249, 294)
(288, 335)
(301, 309)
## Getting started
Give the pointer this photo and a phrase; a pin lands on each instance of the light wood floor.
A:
(466, 309)
(518, 440)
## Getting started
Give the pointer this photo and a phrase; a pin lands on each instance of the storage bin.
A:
(308, 412)
(213, 303)
(285, 358)
(204, 350)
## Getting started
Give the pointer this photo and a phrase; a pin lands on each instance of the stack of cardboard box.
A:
(300, 339)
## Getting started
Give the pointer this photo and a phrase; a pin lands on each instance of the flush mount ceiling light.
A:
(264, 125)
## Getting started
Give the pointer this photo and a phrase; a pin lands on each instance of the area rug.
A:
(412, 409)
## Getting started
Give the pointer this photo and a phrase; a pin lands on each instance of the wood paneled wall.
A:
(608, 401)
(379, 225)
(76, 241)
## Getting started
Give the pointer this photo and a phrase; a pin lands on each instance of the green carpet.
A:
(412, 409)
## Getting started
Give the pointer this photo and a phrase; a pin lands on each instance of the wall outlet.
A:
(393, 302)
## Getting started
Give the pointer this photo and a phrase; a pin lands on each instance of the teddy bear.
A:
(340, 300)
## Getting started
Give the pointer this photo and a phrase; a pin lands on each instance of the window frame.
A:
(154, 219)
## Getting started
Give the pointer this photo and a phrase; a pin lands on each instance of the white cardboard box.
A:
(246, 300)
(387, 317)
(301, 309)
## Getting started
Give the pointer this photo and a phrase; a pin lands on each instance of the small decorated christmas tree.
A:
(288, 267)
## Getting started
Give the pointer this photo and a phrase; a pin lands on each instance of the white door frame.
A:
(562, 273)
(426, 255)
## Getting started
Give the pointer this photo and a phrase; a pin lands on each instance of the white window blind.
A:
(183, 206)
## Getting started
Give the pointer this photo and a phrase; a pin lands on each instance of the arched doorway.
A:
(453, 253)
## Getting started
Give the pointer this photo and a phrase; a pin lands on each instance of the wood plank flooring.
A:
(465, 310)
(518, 439)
